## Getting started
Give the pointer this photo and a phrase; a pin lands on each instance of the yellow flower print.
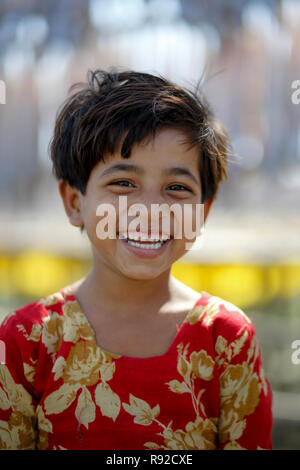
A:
(199, 365)
(199, 434)
(206, 313)
(19, 399)
(18, 432)
(52, 332)
(211, 309)
(83, 364)
(240, 389)
(202, 364)
(76, 325)
(226, 352)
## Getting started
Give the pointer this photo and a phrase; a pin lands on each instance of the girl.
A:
(128, 357)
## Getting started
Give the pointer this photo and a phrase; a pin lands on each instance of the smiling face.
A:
(158, 172)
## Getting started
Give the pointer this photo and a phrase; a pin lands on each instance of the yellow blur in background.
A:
(34, 274)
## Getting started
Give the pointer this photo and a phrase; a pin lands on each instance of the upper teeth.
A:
(142, 239)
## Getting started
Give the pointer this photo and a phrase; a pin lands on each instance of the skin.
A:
(117, 274)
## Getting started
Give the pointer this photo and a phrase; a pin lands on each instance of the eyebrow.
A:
(126, 167)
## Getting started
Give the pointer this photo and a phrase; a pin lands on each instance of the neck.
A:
(106, 289)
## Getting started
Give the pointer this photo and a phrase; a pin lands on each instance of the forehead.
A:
(168, 145)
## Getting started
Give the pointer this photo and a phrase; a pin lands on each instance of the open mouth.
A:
(147, 243)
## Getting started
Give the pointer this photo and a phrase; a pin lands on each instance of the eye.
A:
(121, 181)
(180, 186)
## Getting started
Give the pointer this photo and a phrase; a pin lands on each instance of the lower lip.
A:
(146, 252)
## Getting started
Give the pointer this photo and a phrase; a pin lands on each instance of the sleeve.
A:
(17, 401)
(245, 417)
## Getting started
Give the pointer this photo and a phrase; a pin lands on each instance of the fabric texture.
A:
(60, 390)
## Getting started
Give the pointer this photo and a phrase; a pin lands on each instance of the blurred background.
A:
(247, 53)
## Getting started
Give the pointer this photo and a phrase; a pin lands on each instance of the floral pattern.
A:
(60, 390)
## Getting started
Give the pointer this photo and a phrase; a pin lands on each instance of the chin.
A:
(141, 273)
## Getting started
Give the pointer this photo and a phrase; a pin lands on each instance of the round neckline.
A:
(70, 296)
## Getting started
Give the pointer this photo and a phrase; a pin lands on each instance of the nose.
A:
(151, 214)
(155, 215)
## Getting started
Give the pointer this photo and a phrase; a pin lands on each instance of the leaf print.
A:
(238, 344)
(86, 410)
(29, 372)
(107, 400)
(184, 368)
(202, 365)
(4, 401)
(236, 429)
(195, 315)
(107, 371)
(233, 446)
(61, 399)
(178, 387)
(152, 445)
(199, 396)
(44, 423)
(253, 350)
(211, 309)
(35, 332)
(5, 437)
(51, 299)
(221, 345)
(44, 427)
(142, 411)
(59, 367)
(7, 317)
(263, 379)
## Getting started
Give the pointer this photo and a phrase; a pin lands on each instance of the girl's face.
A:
(148, 177)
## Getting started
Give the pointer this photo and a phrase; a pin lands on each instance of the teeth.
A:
(152, 246)
(137, 237)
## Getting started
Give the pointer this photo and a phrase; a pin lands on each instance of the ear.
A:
(72, 203)
(207, 206)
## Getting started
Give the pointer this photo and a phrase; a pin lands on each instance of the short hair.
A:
(134, 105)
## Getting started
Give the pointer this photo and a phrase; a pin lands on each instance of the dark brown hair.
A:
(113, 105)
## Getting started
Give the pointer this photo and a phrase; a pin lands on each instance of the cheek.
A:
(102, 222)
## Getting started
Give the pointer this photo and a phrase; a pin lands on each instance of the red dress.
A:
(60, 390)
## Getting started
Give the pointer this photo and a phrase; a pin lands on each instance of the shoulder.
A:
(28, 320)
(220, 317)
